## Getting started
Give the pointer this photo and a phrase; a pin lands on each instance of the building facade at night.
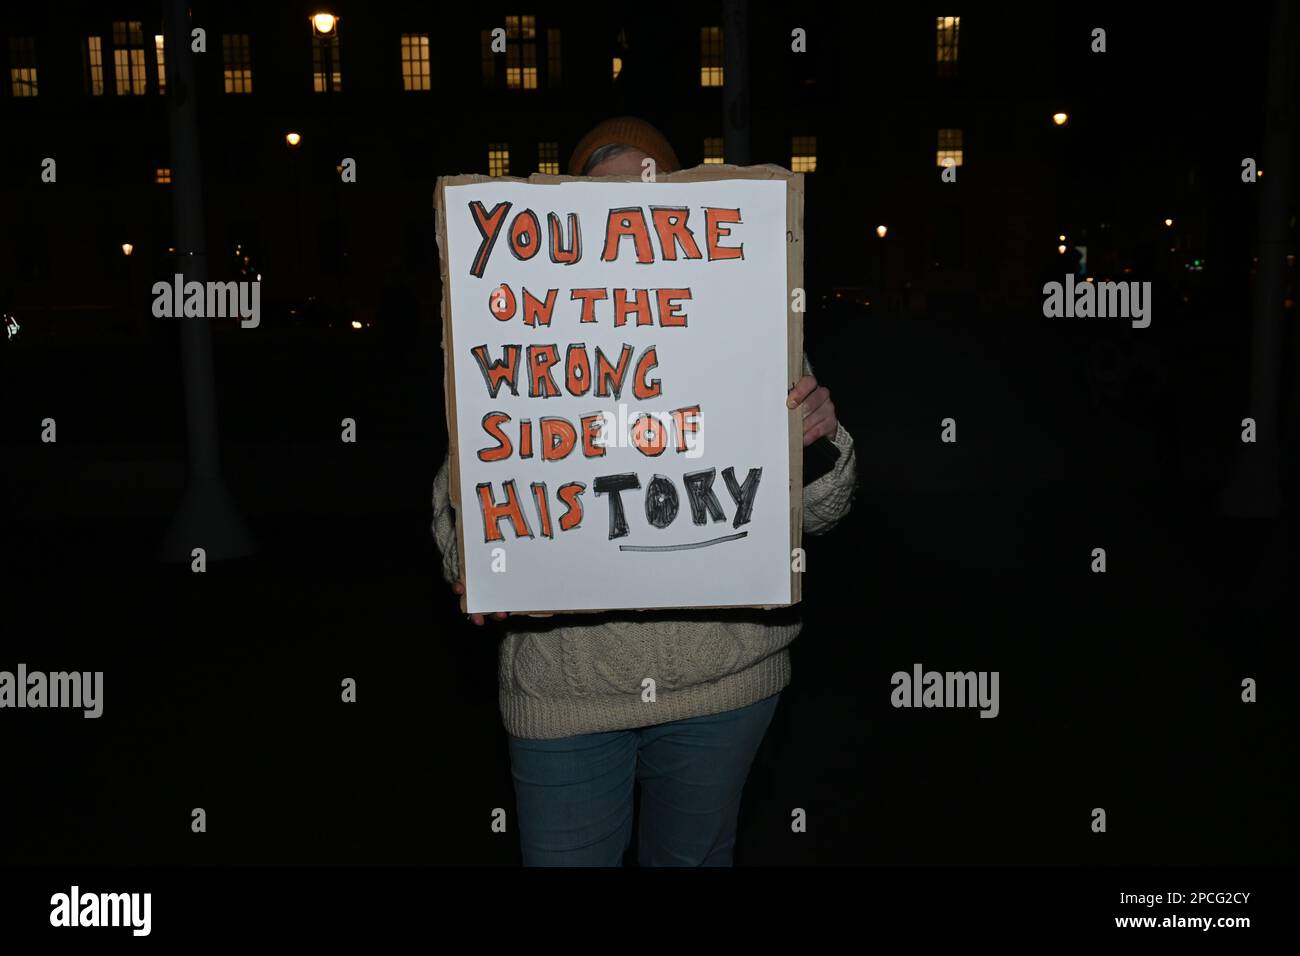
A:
(870, 104)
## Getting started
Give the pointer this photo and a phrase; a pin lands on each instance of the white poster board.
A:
(618, 357)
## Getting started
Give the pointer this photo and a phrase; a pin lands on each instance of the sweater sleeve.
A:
(828, 499)
(444, 522)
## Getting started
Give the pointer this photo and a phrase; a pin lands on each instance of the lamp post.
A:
(735, 82)
(294, 140)
(1254, 489)
(130, 270)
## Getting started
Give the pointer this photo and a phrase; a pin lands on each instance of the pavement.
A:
(1119, 690)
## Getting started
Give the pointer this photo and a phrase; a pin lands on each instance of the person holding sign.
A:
(676, 700)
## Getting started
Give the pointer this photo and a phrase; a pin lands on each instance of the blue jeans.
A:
(574, 794)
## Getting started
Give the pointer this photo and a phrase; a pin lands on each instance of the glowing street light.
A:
(323, 23)
(127, 248)
(881, 231)
(1060, 119)
(1061, 249)
(293, 139)
(1060, 238)
(1169, 222)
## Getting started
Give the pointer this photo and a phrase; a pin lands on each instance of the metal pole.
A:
(207, 516)
(1254, 489)
(735, 83)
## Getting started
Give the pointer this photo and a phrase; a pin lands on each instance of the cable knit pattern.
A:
(582, 673)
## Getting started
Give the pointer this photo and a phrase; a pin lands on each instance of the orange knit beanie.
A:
(629, 131)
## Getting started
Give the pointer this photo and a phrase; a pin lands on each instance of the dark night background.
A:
(1119, 690)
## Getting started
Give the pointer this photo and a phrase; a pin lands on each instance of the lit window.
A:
(945, 44)
(548, 158)
(949, 147)
(162, 175)
(521, 53)
(553, 61)
(521, 28)
(499, 159)
(94, 63)
(618, 66)
(162, 63)
(710, 56)
(22, 66)
(713, 151)
(237, 62)
(128, 58)
(326, 67)
(415, 62)
(803, 154)
(489, 60)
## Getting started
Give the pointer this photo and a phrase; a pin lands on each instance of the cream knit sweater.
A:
(582, 673)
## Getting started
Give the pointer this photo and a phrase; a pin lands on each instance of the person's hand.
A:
(459, 588)
(818, 411)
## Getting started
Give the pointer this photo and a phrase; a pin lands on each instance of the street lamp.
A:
(323, 23)
(293, 139)
(1060, 119)
(881, 231)
(1169, 222)
(127, 248)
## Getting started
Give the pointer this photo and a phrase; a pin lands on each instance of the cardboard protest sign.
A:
(618, 355)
